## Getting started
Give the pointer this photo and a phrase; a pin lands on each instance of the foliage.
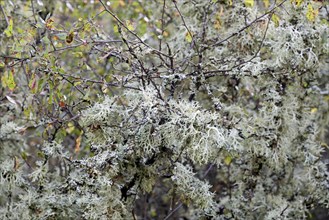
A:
(163, 109)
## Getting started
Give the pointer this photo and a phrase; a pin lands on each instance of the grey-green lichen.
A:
(229, 129)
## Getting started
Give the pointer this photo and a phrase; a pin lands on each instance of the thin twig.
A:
(33, 12)
(181, 204)
(4, 15)
(162, 24)
(84, 43)
(213, 72)
(131, 32)
(186, 27)
(173, 211)
(208, 170)
(247, 26)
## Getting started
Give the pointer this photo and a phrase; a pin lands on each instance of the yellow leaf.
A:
(16, 163)
(77, 83)
(165, 34)
(70, 127)
(311, 13)
(218, 22)
(276, 20)
(314, 110)
(78, 54)
(50, 98)
(11, 81)
(9, 30)
(122, 3)
(77, 144)
(297, 2)
(229, 2)
(249, 3)
(116, 29)
(326, 98)
(228, 160)
(49, 24)
(153, 213)
(188, 37)
(69, 38)
(24, 155)
(27, 112)
(87, 27)
(266, 3)
(130, 25)
(4, 80)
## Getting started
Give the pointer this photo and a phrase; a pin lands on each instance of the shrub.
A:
(163, 109)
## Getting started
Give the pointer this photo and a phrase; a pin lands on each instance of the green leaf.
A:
(40, 84)
(77, 83)
(297, 2)
(24, 155)
(70, 127)
(11, 81)
(50, 99)
(188, 37)
(9, 30)
(2, 64)
(311, 14)
(228, 160)
(87, 27)
(130, 25)
(61, 36)
(275, 18)
(142, 27)
(249, 3)
(45, 40)
(41, 154)
(116, 29)
(266, 3)
(27, 111)
(78, 54)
